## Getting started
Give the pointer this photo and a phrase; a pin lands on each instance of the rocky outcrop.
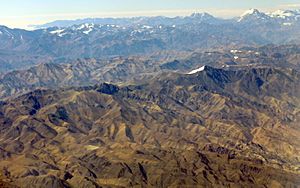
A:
(215, 128)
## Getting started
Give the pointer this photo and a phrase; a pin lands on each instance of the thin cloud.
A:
(178, 12)
(296, 5)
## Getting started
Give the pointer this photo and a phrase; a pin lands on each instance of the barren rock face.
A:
(139, 69)
(215, 128)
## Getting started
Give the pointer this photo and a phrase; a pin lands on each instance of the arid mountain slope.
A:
(215, 128)
(137, 69)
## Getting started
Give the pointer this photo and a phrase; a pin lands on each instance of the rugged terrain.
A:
(194, 101)
(214, 128)
(145, 35)
(137, 69)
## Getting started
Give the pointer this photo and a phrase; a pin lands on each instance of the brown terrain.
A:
(215, 128)
(118, 102)
(137, 69)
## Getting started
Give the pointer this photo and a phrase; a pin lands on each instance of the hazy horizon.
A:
(35, 12)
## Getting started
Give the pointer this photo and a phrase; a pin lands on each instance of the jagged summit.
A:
(279, 16)
(212, 125)
(253, 15)
(251, 11)
(200, 14)
(288, 15)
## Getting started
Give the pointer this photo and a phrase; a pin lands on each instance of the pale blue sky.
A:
(20, 13)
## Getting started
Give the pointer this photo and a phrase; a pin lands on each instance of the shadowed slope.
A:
(213, 128)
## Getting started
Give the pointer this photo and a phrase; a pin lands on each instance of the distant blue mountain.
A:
(194, 18)
(106, 37)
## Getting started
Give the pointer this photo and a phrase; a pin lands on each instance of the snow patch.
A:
(146, 27)
(86, 28)
(287, 24)
(88, 31)
(282, 14)
(58, 32)
(235, 51)
(197, 70)
(250, 12)
(81, 27)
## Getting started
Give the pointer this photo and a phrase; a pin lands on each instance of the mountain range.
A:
(214, 128)
(143, 36)
(279, 16)
(193, 101)
(135, 69)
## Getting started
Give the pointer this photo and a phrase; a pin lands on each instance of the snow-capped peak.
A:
(286, 14)
(197, 70)
(253, 13)
(281, 13)
(86, 28)
(200, 14)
